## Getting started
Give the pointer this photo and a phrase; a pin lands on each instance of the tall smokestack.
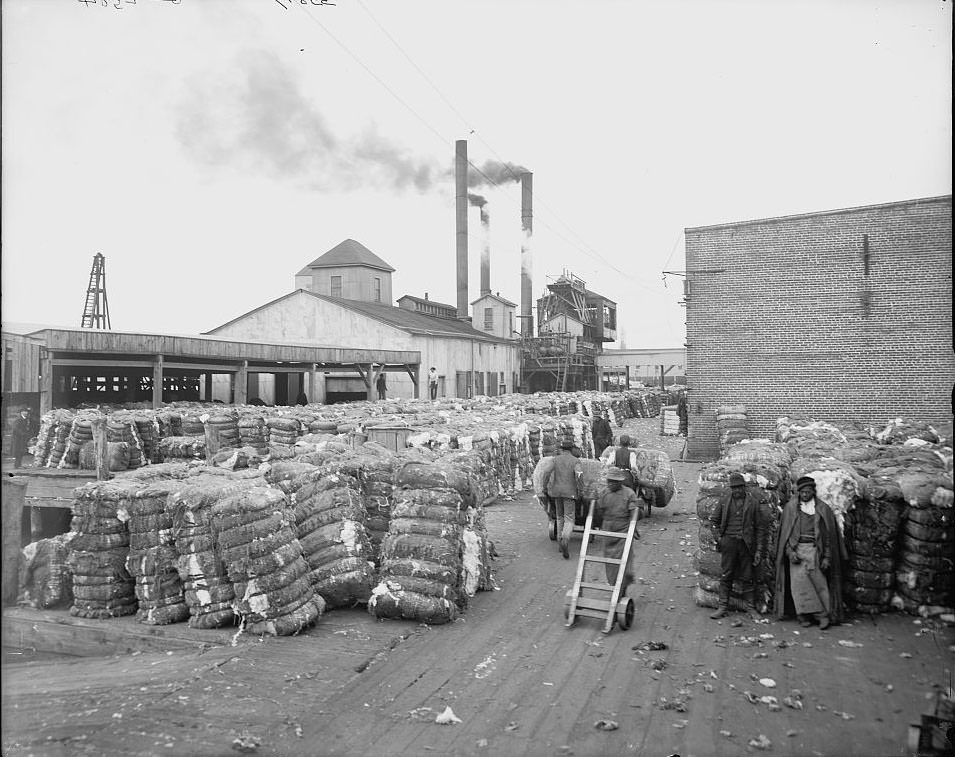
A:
(461, 215)
(485, 251)
(527, 227)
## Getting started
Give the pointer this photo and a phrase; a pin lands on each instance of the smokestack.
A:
(461, 215)
(527, 226)
(485, 251)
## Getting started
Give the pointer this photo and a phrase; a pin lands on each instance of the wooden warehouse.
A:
(841, 315)
(343, 297)
(54, 367)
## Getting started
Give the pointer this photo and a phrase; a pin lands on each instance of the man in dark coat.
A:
(602, 433)
(810, 560)
(740, 535)
(20, 438)
(562, 485)
(382, 386)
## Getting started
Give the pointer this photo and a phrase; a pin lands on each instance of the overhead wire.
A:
(581, 245)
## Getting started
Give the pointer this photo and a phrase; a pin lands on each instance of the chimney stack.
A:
(461, 215)
(527, 226)
(486, 251)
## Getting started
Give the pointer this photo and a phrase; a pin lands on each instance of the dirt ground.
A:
(517, 680)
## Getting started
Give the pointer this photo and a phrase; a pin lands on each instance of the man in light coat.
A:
(562, 485)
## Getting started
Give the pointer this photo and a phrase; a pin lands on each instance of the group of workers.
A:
(810, 554)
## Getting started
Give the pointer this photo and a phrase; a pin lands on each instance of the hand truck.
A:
(611, 606)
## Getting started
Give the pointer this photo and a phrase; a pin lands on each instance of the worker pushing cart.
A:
(620, 509)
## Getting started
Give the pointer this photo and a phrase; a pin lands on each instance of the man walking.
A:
(562, 487)
(810, 555)
(739, 538)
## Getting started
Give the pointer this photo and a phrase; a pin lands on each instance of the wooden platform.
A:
(59, 632)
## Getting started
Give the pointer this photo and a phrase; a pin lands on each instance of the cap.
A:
(615, 474)
(806, 481)
(737, 479)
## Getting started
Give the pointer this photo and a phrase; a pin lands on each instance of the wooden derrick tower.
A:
(96, 310)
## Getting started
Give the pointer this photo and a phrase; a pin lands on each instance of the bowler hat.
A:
(615, 474)
(737, 479)
(805, 481)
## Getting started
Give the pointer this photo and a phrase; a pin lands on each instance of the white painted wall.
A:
(302, 318)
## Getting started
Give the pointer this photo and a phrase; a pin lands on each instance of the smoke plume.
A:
(494, 172)
(257, 118)
(476, 200)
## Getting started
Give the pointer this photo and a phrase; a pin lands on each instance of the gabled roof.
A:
(426, 301)
(407, 320)
(495, 297)
(347, 253)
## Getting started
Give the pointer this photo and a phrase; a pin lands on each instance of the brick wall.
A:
(839, 316)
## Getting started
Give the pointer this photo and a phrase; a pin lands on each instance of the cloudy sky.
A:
(212, 148)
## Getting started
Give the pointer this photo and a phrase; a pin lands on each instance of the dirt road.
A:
(519, 680)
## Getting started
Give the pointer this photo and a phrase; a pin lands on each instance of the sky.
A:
(210, 149)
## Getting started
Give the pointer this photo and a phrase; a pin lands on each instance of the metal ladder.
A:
(611, 607)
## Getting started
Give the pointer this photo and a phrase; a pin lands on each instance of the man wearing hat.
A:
(562, 486)
(739, 538)
(810, 555)
(624, 458)
(20, 437)
(616, 506)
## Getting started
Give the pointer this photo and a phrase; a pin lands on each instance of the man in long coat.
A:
(810, 560)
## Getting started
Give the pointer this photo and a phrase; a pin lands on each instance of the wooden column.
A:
(14, 494)
(240, 384)
(46, 381)
(100, 448)
(157, 383)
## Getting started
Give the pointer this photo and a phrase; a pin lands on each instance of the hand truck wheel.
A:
(625, 613)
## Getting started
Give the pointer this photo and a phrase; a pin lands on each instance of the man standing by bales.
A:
(602, 433)
(616, 507)
(20, 437)
(561, 486)
(810, 555)
(740, 536)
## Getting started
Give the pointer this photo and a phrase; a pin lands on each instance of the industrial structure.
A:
(573, 325)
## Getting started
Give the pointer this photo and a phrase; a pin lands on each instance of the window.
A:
(336, 286)
(488, 319)
(377, 289)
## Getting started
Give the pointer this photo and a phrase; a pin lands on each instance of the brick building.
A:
(841, 315)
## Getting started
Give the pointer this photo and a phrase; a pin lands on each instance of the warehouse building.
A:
(344, 296)
(841, 315)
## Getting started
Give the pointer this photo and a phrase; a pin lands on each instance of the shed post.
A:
(46, 381)
(241, 383)
(14, 495)
(100, 448)
(157, 383)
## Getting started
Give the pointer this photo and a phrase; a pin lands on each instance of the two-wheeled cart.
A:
(607, 605)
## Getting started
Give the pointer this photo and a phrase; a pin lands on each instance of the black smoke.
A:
(256, 117)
